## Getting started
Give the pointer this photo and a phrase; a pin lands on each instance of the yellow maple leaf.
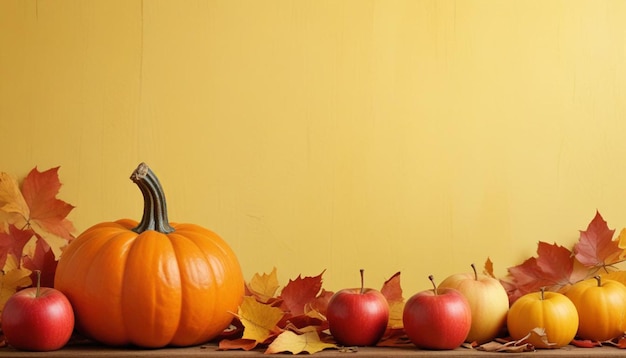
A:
(289, 341)
(12, 278)
(264, 286)
(259, 320)
(13, 207)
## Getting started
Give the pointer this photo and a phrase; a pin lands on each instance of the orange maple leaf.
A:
(392, 290)
(488, 268)
(47, 213)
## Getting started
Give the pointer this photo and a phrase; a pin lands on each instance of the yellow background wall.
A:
(413, 136)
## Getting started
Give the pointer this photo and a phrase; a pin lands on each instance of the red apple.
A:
(38, 319)
(488, 301)
(358, 316)
(437, 318)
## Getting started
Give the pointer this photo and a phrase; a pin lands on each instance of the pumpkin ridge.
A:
(198, 291)
(165, 279)
(151, 296)
(117, 246)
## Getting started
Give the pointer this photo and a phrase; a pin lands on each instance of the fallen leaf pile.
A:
(295, 320)
(33, 229)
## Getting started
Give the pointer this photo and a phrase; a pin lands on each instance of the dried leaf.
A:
(619, 342)
(621, 239)
(392, 290)
(12, 278)
(13, 207)
(488, 268)
(296, 323)
(395, 337)
(554, 268)
(47, 213)
(596, 247)
(264, 287)
(259, 320)
(239, 343)
(585, 343)
(558, 265)
(42, 259)
(12, 242)
(299, 293)
(512, 346)
(289, 341)
(317, 308)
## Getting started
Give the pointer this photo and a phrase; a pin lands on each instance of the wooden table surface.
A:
(210, 350)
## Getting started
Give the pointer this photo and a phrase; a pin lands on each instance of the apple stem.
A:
(599, 279)
(475, 273)
(362, 281)
(432, 280)
(38, 272)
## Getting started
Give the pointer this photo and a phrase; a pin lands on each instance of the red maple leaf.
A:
(43, 260)
(596, 247)
(298, 293)
(13, 242)
(40, 190)
(320, 303)
(556, 263)
(554, 267)
(526, 277)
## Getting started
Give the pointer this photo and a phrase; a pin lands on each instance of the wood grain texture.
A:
(210, 350)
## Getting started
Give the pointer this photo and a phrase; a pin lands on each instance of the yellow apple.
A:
(488, 302)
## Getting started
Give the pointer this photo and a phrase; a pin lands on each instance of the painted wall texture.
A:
(413, 136)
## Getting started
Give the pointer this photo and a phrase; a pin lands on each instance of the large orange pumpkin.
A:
(151, 284)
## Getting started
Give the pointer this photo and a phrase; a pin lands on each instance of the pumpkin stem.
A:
(599, 279)
(154, 205)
